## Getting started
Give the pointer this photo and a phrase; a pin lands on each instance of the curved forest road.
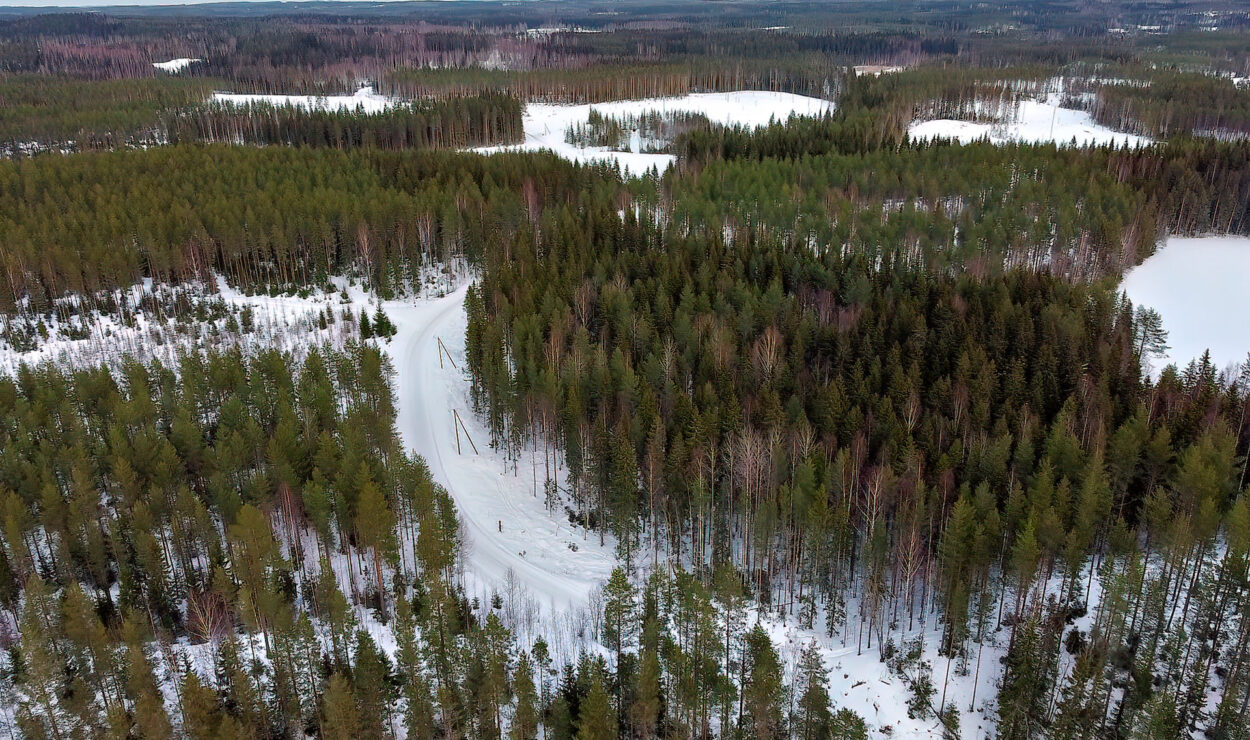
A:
(507, 528)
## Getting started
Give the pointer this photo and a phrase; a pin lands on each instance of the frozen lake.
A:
(1201, 287)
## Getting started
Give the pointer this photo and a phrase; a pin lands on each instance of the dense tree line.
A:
(614, 80)
(974, 207)
(459, 122)
(53, 110)
(269, 216)
(208, 501)
(38, 113)
(846, 179)
(1165, 105)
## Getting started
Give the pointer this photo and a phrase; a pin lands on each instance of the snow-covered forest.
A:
(464, 371)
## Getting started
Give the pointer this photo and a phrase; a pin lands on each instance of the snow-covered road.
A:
(507, 528)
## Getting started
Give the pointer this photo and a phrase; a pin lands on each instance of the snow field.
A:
(545, 125)
(365, 100)
(173, 66)
(1201, 288)
(1034, 122)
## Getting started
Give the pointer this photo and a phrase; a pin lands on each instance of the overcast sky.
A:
(105, 3)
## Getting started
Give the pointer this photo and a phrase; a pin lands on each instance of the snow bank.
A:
(174, 66)
(1035, 122)
(545, 125)
(364, 100)
(1201, 288)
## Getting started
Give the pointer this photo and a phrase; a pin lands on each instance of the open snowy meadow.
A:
(1032, 122)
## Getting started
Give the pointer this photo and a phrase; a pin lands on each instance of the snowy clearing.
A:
(365, 100)
(1201, 288)
(545, 125)
(1034, 122)
(159, 322)
(175, 65)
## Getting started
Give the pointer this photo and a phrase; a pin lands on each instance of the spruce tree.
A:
(812, 716)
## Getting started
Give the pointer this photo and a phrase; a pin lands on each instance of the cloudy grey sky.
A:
(106, 3)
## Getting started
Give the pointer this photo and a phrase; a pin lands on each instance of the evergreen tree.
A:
(596, 719)
(763, 691)
(340, 717)
(525, 718)
(812, 719)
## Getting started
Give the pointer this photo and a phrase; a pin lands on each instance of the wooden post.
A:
(454, 426)
(443, 348)
(466, 431)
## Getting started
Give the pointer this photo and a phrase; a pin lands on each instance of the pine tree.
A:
(1080, 708)
(340, 718)
(372, 688)
(525, 717)
(375, 525)
(763, 691)
(382, 325)
(150, 719)
(595, 718)
(847, 725)
(1149, 337)
(201, 710)
(1157, 719)
(620, 613)
(645, 710)
(1026, 681)
(43, 669)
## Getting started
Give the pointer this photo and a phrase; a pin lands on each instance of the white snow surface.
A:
(364, 100)
(545, 125)
(1201, 288)
(1034, 122)
(176, 65)
(511, 539)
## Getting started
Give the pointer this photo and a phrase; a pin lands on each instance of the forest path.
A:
(506, 527)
